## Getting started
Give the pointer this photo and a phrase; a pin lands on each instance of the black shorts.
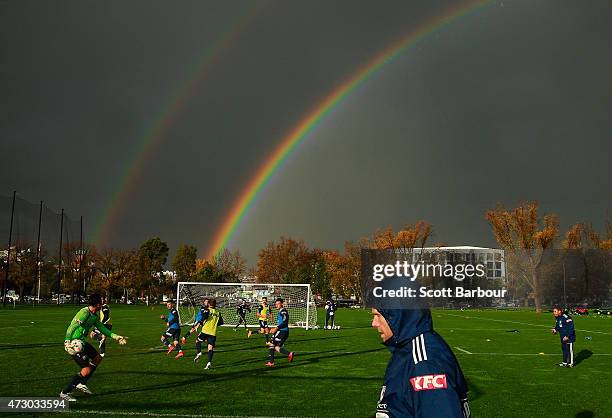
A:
(85, 357)
(279, 338)
(210, 339)
(263, 324)
(175, 333)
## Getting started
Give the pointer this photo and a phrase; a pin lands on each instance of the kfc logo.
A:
(429, 382)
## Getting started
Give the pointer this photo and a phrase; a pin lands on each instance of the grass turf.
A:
(335, 373)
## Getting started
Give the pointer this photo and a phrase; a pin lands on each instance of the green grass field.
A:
(336, 373)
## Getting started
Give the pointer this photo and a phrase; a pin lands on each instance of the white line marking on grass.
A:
(465, 351)
(521, 323)
(155, 414)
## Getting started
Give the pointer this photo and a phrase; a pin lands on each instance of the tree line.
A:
(139, 274)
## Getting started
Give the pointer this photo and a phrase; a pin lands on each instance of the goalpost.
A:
(298, 300)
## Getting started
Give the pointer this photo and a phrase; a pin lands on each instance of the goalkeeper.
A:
(83, 353)
(242, 310)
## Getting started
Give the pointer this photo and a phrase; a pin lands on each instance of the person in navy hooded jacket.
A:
(423, 377)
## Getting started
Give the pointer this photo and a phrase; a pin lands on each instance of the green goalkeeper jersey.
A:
(82, 322)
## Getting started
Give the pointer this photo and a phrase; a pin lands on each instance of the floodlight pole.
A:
(59, 264)
(8, 252)
(81, 258)
(38, 252)
(564, 294)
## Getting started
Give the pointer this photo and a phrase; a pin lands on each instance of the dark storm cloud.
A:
(505, 104)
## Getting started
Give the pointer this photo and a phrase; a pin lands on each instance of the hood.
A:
(406, 324)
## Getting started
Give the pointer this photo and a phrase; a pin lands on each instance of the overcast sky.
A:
(508, 103)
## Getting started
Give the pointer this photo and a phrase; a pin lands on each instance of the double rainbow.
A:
(154, 134)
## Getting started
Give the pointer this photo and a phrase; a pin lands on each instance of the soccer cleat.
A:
(197, 358)
(208, 366)
(290, 357)
(183, 340)
(563, 364)
(66, 397)
(84, 389)
(270, 364)
(101, 354)
(570, 365)
(249, 334)
(170, 349)
(180, 354)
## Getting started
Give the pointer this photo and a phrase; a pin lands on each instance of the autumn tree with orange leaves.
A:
(584, 243)
(524, 235)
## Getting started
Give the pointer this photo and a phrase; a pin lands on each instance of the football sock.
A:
(75, 381)
(271, 355)
(210, 354)
(284, 351)
(198, 347)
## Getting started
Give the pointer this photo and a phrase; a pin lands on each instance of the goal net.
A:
(297, 299)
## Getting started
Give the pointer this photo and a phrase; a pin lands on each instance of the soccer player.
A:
(198, 320)
(564, 326)
(105, 318)
(173, 331)
(263, 312)
(211, 320)
(83, 353)
(242, 310)
(423, 377)
(281, 333)
(330, 311)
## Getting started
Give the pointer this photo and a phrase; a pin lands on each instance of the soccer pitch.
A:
(335, 373)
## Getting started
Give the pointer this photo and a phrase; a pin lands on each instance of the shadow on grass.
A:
(585, 414)
(211, 376)
(582, 356)
(474, 391)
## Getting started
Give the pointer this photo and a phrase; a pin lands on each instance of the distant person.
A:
(106, 320)
(170, 338)
(202, 311)
(82, 352)
(280, 334)
(423, 377)
(211, 320)
(330, 314)
(564, 326)
(263, 313)
(242, 310)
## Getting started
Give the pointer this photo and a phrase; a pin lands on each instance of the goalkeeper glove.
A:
(121, 340)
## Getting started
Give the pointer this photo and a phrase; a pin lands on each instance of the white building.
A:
(492, 258)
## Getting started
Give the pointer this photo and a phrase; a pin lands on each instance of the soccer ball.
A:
(77, 346)
(73, 347)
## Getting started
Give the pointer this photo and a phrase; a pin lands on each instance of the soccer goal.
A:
(297, 299)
